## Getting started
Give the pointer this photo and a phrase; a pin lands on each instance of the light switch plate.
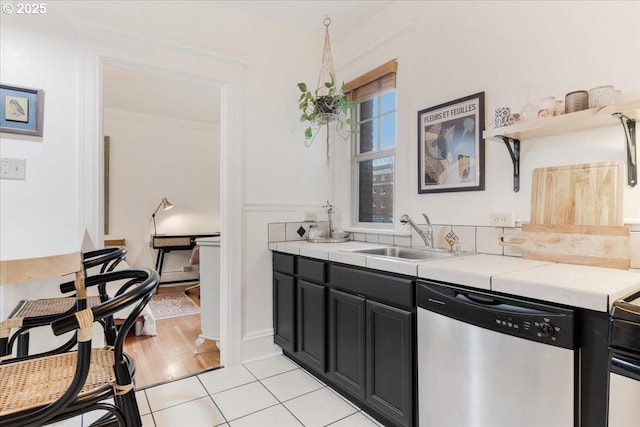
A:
(13, 168)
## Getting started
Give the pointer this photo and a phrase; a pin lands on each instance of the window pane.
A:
(367, 136)
(388, 102)
(367, 109)
(388, 131)
(376, 205)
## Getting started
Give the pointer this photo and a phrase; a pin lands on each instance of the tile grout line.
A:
(226, 421)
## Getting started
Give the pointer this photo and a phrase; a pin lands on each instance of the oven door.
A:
(624, 389)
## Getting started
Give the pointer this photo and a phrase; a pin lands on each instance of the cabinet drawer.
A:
(311, 270)
(283, 263)
(383, 287)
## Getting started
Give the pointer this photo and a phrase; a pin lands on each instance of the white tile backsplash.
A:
(277, 232)
(386, 239)
(487, 240)
(291, 230)
(402, 240)
(479, 239)
(439, 234)
(466, 237)
(372, 238)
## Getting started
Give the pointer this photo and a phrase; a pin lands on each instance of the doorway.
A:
(164, 141)
(229, 73)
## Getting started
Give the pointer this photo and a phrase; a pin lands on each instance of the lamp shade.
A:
(166, 204)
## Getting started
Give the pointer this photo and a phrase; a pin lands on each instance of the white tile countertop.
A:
(593, 288)
(475, 270)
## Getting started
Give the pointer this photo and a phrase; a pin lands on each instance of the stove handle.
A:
(627, 366)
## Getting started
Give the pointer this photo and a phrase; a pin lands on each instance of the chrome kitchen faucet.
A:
(427, 235)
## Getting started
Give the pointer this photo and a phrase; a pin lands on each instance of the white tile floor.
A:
(270, 392)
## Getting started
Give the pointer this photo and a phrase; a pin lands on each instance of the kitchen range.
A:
(624, 362)
(470, 340)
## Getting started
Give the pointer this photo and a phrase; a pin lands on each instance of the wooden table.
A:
(36, 255)
(165, 243)
(29, 269)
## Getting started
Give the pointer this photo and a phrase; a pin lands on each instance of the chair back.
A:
(140, 286)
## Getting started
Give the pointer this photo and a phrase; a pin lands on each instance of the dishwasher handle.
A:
(478, 299)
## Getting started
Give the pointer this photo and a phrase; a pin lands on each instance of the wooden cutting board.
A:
(600, 246)
(584, 194)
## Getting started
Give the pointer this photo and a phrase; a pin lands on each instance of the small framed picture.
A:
(21, 110)
(451, 147)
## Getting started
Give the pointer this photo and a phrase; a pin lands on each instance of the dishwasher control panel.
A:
(531, 320)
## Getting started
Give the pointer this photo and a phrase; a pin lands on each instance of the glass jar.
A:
(558, 107)
(601, 96)
(546, 106)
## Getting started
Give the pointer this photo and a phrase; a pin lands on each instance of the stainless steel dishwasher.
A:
(487, 360)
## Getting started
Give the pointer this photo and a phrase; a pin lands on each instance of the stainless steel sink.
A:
(406, 253)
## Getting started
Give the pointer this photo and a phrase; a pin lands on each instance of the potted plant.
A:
(328, 103)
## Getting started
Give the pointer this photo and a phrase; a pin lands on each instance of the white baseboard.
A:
(258, 345)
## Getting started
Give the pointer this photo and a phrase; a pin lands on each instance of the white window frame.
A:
(372, 155)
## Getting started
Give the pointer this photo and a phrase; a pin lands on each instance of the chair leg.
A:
(4, 346)
(126, 402)
(110, 331)
(188, 290)
(23, 344)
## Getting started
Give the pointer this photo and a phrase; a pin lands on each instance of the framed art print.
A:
(451, 147)
(21, 110)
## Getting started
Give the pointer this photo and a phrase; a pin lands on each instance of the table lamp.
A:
(166, 205)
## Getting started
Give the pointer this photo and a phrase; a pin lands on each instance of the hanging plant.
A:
(318, 110)
(328, 103)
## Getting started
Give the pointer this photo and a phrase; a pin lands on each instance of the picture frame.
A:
(21, 110)
(451, 146)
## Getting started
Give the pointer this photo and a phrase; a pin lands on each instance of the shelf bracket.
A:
(515, 158)
(629, 126)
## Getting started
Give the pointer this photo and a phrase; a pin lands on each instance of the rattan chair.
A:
(38, 390)
(29, 314)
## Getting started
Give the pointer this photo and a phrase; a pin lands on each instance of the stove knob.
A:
(545, 329)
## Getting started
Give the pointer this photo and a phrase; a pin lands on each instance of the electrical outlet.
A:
(13, 168)
(502, 219)
(310, 216)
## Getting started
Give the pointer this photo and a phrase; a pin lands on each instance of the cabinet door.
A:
(284, 305)
(390, 375)
(311, 325)
(346, 341)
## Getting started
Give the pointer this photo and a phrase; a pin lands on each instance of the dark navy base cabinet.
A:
(354, 328)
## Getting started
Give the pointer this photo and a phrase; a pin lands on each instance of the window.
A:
(374, 145)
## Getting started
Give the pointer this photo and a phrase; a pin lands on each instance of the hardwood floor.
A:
(170, 354)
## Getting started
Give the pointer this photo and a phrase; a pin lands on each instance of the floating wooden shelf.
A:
(626, 113)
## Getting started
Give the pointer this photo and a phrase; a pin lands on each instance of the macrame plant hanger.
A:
(327, 74)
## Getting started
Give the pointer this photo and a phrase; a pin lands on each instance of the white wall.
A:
(153, 157)
(261, 72)
(445, 50)
(448, 50)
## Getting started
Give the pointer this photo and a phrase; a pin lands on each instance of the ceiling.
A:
(160, 93)
(154, 92)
